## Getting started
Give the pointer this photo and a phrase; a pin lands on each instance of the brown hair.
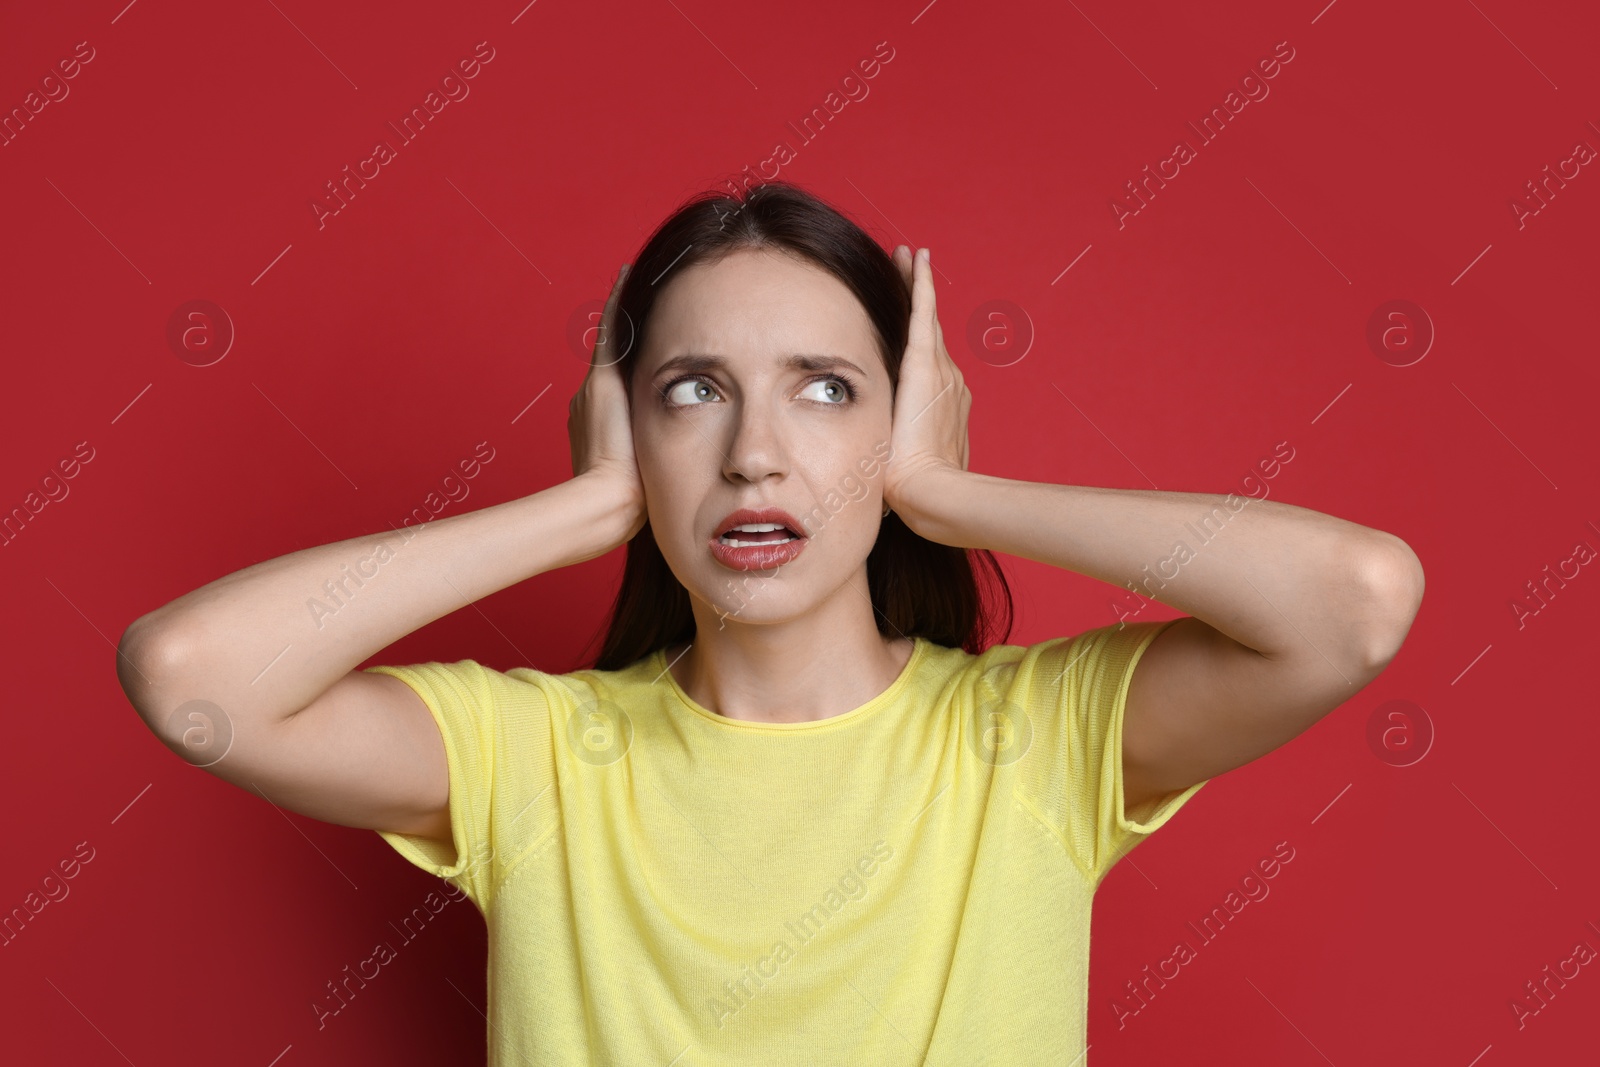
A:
(918, 587)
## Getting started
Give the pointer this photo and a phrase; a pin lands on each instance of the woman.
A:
(803, 809)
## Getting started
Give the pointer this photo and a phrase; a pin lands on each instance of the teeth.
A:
(731, 542)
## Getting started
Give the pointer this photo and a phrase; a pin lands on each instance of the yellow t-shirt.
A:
(907, 883)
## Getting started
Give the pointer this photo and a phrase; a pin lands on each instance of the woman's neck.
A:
(825, 663)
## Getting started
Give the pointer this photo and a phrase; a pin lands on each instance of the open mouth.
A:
(751, 534)
(758, 539)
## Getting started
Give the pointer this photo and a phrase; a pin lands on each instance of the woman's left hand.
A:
(929, 434)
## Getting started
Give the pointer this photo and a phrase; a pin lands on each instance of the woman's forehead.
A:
(757, 312)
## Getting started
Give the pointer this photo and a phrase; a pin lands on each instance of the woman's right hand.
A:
(598, 419)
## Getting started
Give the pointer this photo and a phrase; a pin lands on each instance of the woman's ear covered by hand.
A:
(931, 400)
(598, 417)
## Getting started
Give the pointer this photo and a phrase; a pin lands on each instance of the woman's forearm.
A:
(1278, 578)
(269, 639)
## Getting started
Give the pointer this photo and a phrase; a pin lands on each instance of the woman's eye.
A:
(690, 391)
(828, 391)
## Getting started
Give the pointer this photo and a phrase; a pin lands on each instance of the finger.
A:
(925, 265)
(921, 337)
(609, 339)
(966, 408)
(606, 351)
(943, 352)
(935, 332)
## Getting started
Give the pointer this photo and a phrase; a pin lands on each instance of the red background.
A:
(1228, 315)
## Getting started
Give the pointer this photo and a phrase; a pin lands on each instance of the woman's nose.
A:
(756, 448)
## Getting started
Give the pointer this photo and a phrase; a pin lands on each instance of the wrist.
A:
(615, 507)
(927, 503)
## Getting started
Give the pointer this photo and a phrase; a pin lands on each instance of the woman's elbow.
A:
(1391, 576)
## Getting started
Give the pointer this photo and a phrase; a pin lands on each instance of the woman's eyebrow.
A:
(695, 362)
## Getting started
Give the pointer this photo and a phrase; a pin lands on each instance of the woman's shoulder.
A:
(481, 678)
(582, 682)
(1087, 646)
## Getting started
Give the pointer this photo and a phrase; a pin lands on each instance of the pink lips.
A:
(757, 557)
(746, 516)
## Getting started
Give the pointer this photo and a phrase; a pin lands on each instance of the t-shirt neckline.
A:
(918, 649)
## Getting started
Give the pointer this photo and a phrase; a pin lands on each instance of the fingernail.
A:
(926, 254)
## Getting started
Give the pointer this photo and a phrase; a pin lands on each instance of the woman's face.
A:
(758, 355)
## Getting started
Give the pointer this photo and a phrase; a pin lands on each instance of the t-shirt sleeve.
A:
(490, 721)
(1075, 689)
